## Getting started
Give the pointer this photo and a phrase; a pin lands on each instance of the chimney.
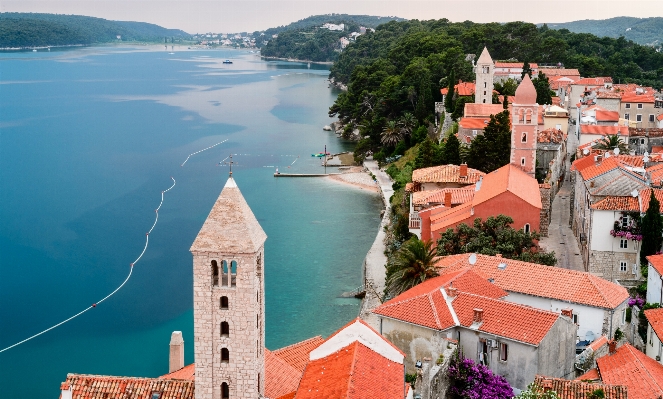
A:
(65, 391)
(478, 315)
(463, 170)
(547, 385)
(447, 199)
(498, 255)
(568, 312)
(452, 292)
(176, 358)
(612, 346)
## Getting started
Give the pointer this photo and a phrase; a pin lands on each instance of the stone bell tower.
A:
(524, 127)
(484, 70)
(228, 301)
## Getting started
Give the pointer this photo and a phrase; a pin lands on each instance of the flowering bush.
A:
(626, 234)
(469, 380)
(637, 301)
(630, 232)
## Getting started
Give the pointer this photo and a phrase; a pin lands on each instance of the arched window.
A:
(233, 273)
(225, 355)
(523, 138)
(215, 274)
(224, 302)
(224, 275)
(258, 382)
(225, 391)
(225, 329)
(522, 161)
(526, 228)
(484, 100)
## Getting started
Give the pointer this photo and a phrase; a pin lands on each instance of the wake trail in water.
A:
(204, 149)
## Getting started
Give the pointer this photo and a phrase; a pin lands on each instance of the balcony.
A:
(415, 220)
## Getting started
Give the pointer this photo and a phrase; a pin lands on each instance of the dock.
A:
(304, 174)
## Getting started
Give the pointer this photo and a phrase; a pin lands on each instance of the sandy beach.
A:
(357, 177)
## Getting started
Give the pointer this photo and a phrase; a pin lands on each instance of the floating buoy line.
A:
(131, 268)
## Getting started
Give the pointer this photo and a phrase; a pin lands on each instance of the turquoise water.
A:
(88, 140)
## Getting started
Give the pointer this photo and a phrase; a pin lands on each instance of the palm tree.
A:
(414, 264)
(391, 134)
(407, 124)
(610, 142)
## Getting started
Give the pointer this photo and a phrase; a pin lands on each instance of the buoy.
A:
(94, 305)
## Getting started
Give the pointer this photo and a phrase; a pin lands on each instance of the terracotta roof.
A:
(461, 89)
(660, 117)
(598, 343)
(607, 116)
(637, 98)
(569, 389)
(111, 387)
(655, 319)
(446, 174)
(354, 371)
(603, 130)
(582, 163)
(600, 81)
(231, 226)
(458, 196)
(291, 395)
(590, 375)
(542, 281)
(515, 65)
(297, 355)
(425, 305)
(505, 319)
(509, 178)
(600, 168)
(657, 148)
(473, 123)
(657, 263)
(551, 135)
(642, 375)
(444, 217)
(409, 187)
(473, 110)
(569, 72)
(526, 93)
(280, 377)
(608, 94)
(185, 373)
(630, 204)
(656, 172)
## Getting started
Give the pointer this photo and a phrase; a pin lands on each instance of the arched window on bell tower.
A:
(224, 273)
(225, 329)
(225, 391)
(223, 302)
(233, 273)
(215, 273)
(225, 355)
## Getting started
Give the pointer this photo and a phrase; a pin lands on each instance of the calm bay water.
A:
(88, 140)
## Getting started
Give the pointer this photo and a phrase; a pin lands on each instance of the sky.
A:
(201, 16)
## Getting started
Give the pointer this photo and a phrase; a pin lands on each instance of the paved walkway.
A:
(560, 237)
(374, 264)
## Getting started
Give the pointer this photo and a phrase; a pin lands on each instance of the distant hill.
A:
(367, 21)
(37, 30)
(647, 31)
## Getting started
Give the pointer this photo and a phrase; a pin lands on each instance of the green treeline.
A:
(35, 30)
(313, 44)
(367, 21)
(640, 30)
(400, 68)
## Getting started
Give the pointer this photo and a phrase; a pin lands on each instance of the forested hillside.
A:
(33, 30)
(367, 21)
(647, 31)
(312, 44)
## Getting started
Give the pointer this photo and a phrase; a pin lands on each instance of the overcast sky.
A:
(200, 16)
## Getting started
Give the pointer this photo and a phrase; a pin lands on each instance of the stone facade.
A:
(546, 209)
(484, 70)
(606, 264)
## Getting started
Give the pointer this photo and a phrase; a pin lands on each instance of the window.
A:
(224, 302)
(642, 141)
(156, 395)
(623, 316)
(233, 273)
(484, 100)
(522, 161)
(627, 116)
(526, 228)
(575, 318)
(623, 244)
(485, 84)
(651, 118)
(623, 265)
(639, 106)
(523, 138)
(638, 118)
(225, 355)
(225, 391)
(627, 105)
(225, 329)
(558, 126)
(474, 133)
(224, 273)
(215, 273)
(504, 351)
(484, 92)
(624, 220)
(651, 341)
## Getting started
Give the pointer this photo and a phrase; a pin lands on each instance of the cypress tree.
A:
(526, 70)
(505, 103)
(542, 86)
(449, 99)
(451, 151)
(652, 230)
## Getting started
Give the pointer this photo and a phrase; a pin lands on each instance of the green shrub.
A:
(629, 313)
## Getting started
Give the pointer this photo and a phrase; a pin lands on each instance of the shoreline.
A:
(356, 177)
(268, 58)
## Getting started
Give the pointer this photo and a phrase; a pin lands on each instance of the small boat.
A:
(227, 62)
(320, 154)
(34, 50)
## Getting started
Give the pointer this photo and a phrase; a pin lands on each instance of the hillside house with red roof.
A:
(513, 340)
(654, 344)
(507, 190)
(512, 70)
(596, 305)
(638, 106)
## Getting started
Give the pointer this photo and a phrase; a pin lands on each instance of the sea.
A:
(89, 139)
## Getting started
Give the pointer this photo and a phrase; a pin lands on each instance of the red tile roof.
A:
(425, 305)
(110, 387)
(280, 377)
(505, 319)
(461, 89)
(509, 178)
(569, 389)
(542, 281)
(630, 204)
(642, 375)
(608, 94)
(600, 81)
(354, 371)
(598, 343)
(185, 373)
(607, 116)
(598, 169)
(582, 163)
(551, 135)
(657, 263)
(590, 375)
(297, 355)
(446, 174)
(637, 98)
(458, 196)
(655, 318)
(514, 65)
(473, 123)
(660, 117)
(473, 110)
(603, 130)
(656, 172)
(291, 395)
(560, 72)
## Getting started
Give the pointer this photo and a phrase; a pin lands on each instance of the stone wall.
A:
(606, 264)
(546, 209)
(432, 380)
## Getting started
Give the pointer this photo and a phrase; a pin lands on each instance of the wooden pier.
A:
(304, 174)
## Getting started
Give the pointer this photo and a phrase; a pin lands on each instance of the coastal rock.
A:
(327, 128)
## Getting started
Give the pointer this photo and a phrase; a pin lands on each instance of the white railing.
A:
(415, 220)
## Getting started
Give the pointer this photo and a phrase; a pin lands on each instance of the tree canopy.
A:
(492, 150)
(412, 265)
(652, 230)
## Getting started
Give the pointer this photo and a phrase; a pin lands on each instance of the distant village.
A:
(576, 330)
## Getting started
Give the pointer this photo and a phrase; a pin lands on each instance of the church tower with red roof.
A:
(524, 127)
(228, 301)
